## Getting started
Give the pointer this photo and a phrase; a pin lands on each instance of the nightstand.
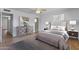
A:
(73, 34)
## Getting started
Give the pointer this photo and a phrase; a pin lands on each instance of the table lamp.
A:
(72, 23)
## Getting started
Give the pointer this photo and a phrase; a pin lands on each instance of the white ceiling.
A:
(32, 10)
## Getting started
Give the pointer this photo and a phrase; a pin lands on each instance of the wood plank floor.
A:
(8, 40)
(74, 44)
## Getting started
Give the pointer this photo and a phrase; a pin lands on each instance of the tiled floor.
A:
(8, 40)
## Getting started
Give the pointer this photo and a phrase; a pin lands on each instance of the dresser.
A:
(23, 30)
(73, 34)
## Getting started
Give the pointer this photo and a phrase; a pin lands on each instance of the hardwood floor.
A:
(74, 44)
(8, 40)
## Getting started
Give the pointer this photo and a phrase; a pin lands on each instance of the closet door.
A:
(0, 27)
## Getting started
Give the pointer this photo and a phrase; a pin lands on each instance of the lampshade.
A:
(73, 22)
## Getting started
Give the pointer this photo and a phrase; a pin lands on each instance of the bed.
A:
(57, 36)
(59, 30)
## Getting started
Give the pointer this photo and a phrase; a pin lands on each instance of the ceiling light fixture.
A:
(39, 10)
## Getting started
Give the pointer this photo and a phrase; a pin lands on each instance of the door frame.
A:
(9, 14)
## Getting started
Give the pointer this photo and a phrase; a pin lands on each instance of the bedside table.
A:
(73, 34)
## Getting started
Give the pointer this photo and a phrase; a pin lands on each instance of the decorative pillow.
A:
(61, 28)
(54, 28)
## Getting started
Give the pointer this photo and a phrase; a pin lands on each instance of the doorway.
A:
(7, 26)
(36, 25)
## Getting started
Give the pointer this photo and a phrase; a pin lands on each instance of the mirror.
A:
(23, 20)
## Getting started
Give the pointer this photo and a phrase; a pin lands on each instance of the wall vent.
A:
(7, 10)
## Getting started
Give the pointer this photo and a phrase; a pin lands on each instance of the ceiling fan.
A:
(39, 10)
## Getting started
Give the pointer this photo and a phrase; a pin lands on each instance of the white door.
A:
(0, 27)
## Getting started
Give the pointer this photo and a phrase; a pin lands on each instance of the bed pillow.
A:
(54, 28)
(59, 28)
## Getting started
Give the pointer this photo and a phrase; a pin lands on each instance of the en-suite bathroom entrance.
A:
(7, 26)
(37, 25)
